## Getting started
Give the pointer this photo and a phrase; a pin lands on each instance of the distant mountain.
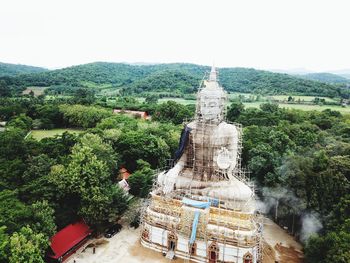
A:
(347, 76)
(7, 69)
(326, 77)
(343, 72)
(293, 71)
(175, 77)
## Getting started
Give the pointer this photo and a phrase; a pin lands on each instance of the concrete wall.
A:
(227, 253)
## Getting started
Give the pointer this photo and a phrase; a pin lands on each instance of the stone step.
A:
(170, 254)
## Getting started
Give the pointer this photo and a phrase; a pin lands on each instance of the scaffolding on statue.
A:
(218, 225)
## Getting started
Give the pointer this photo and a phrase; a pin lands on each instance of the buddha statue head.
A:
(211, 100)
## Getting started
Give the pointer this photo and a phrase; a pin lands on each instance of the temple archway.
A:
(213, 252)
(192, 249)
(248, 258)
(172, 241)
(145, 234)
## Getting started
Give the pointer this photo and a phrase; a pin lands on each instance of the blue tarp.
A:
(195, 203)
(183, 142)
(214, 202)
(194, 227)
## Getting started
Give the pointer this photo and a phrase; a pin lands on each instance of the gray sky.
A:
(266, 34)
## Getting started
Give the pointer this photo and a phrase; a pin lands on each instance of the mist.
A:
(311, 224)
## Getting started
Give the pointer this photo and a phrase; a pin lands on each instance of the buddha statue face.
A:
(211, 104)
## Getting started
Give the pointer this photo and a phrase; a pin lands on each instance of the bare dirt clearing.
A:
(125, 247)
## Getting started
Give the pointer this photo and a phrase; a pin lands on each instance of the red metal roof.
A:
(68, 237)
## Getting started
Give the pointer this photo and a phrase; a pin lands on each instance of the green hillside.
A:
(326, 77)
(167, 80)
(7, 69)
(266, 82)
(176, 77)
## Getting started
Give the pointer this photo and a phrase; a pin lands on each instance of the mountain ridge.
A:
(128, 77)
(9, 69)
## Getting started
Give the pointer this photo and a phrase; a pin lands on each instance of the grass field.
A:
(178, 100)
(301, 98)
(345, 110)
(40, 134)
(282, 105)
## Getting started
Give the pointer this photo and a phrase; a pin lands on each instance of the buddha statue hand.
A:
(224, 158)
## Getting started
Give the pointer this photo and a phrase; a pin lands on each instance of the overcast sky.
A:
(265, 34)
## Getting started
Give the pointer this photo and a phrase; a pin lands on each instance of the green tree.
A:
(333, 247)
(171, 111)
(5, 91)
(4, 245)
(43, 218)
(83, 116)
(235, 110)
(88, 179)
(103, 151)
(84, 96)
(14, 213)
(141, 180)
(140, 144)
(35, 180)
(27, 246)
(151, 99)
(21, 122)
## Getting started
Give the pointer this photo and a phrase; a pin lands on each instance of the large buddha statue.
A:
(208, 155)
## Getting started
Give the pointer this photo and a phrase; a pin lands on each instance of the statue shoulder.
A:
(191, 125)
(227, 128)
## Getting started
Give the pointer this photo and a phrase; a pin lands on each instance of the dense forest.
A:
(7, 69)
(178, 78)
(300, 159)
(326, 77)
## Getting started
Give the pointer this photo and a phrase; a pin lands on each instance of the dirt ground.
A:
(279, 246)
(125, 247)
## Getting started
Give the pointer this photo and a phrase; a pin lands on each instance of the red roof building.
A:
(68, 240)
(138, 114)
(124, 174)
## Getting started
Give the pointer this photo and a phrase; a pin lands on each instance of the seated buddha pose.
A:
(207, 159)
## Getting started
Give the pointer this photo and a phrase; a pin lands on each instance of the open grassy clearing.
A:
(53, 97)
(40, 134)
(304, 107)
(37, 90)
(301, 98)
(178, 100)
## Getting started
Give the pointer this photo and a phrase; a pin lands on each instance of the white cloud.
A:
(265, 34)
